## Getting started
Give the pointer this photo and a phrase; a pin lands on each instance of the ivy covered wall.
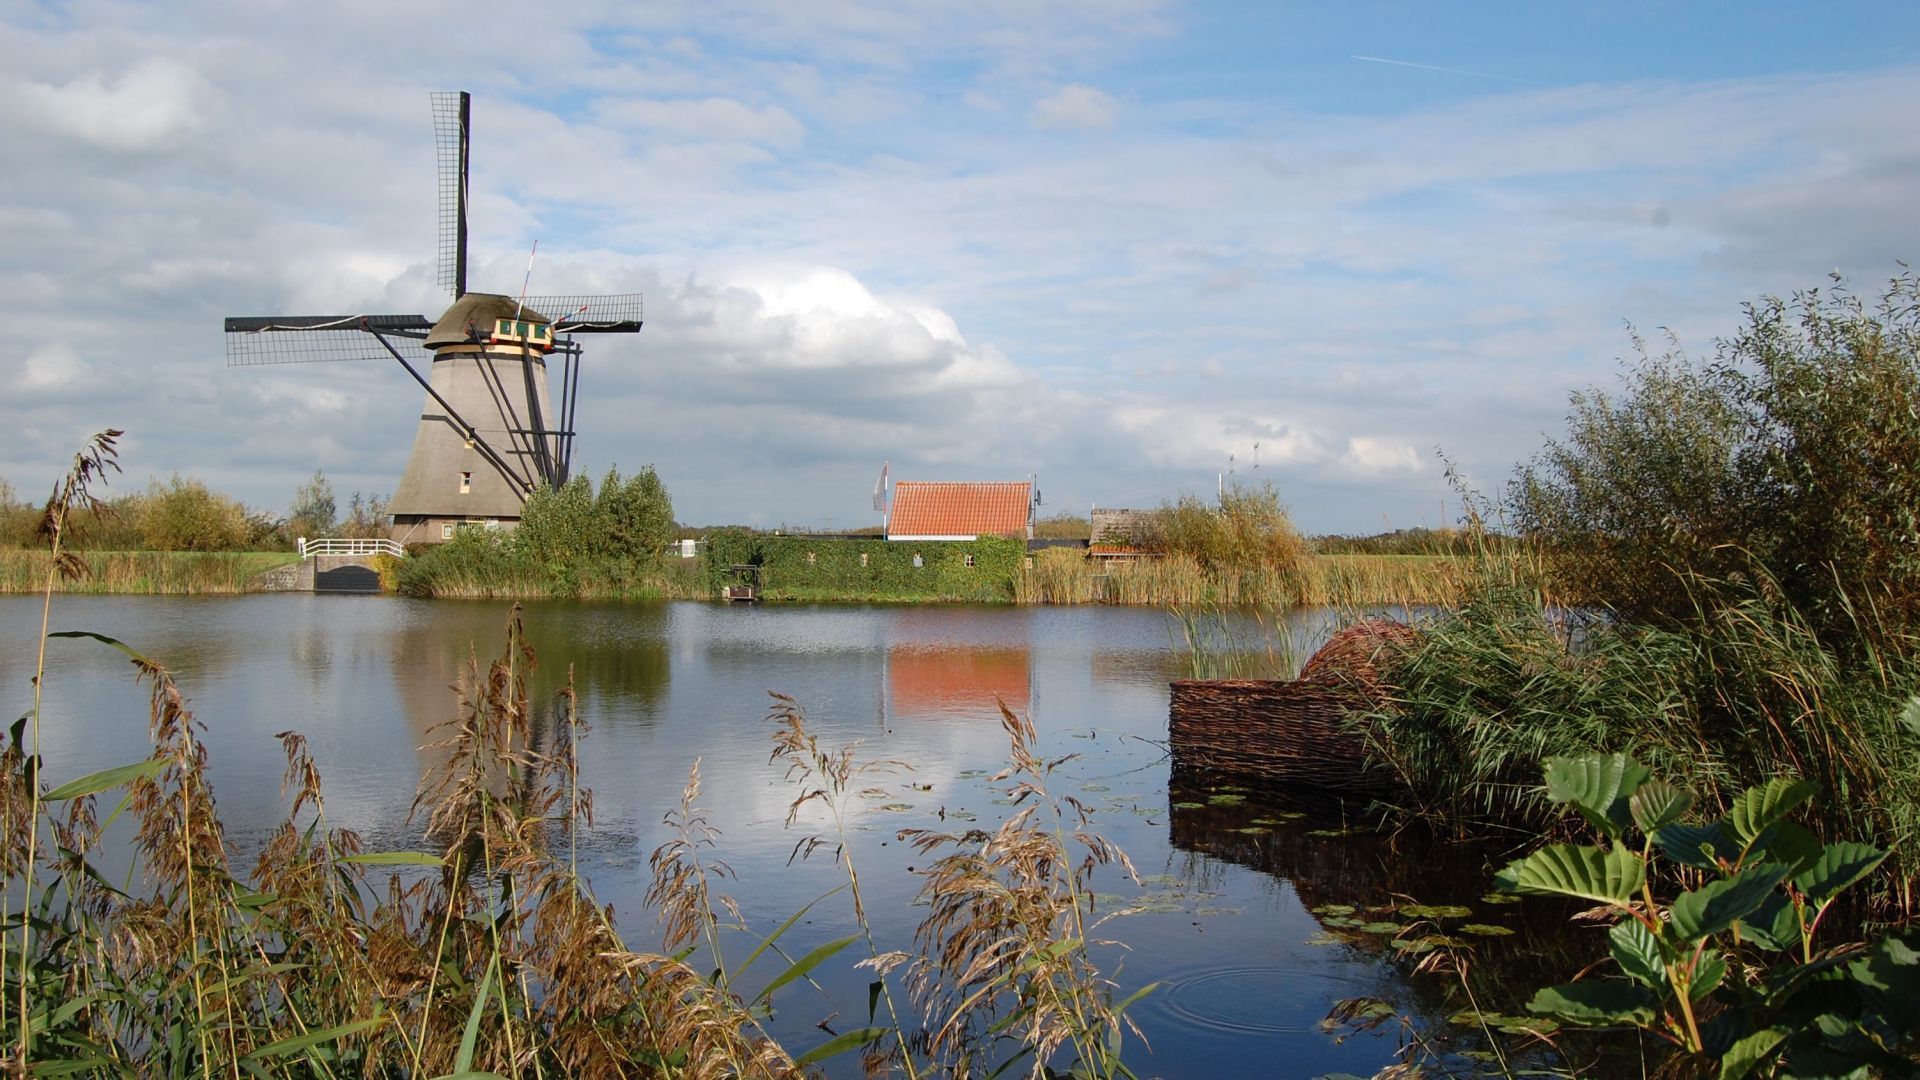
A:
(813, 568)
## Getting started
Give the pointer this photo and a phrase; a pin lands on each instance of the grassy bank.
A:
(158, 573)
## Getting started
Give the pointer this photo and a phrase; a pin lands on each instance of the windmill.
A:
(489, 434)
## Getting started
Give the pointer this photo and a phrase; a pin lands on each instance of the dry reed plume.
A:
(490, 955)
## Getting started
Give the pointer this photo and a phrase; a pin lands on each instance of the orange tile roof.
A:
(923, 508)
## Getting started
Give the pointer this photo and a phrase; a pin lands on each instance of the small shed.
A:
(941, 510)
(1124, 535)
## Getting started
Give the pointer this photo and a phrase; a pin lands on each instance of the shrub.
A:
(1792, 451)
(186, 515)
(1249, 531)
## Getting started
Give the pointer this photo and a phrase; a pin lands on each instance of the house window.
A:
(1029, 562)
(969, 560)
(466, 483)
(863, 558)
(916, 560)
(809, 558)
(446, 531)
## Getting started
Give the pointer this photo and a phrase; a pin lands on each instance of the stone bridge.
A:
(331, 566)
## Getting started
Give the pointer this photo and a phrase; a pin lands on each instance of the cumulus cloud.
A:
(1075, 108)
(862, 236)
(146, 105)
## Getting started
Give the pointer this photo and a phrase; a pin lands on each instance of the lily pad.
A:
(1500, 898)
(1226, 799)
(1436, 911)
(1333, 909)
(1189, 806)
(1254, 830)
(895, 807)
(1485, 930)
(1094, 787)
(1380, 928)
(1344, 922)
(1326, 832)
(1326, 937)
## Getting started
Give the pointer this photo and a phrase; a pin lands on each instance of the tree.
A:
(314, 511)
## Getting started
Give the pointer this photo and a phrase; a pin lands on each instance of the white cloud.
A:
(717, 119)
(144, 106)
(52, 367)
(1075, 108)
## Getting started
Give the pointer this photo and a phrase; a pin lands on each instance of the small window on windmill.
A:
(917, 561)
(446, 531)
(466, 483)
(969, 560)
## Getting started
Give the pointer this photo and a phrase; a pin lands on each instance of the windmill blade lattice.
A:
(620, 313)
(316, 339)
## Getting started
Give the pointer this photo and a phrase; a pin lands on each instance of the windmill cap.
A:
(475, 313)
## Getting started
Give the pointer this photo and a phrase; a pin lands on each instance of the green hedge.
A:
(813, 568)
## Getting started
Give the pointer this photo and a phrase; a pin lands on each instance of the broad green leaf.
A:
(1792, 846)
(1774, 925)
(1758, 807)
(1750, 1053)
(1658, 804)
(840, 1044)
(311, 1038)
(1708, 973)
(1596, 1003)
(1696, 845)
(1598, 786)
(1637, 952)
(805, 964)
(1588, 873)
(1717, 905)
(1838, 866)
(93, 783)
(393, 858)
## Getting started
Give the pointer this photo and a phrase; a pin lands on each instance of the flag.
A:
(880, 489)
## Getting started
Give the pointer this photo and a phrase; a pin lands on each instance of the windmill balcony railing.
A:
(342, 546)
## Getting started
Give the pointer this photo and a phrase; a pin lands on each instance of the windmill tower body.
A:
(490, 433)
(495, 377)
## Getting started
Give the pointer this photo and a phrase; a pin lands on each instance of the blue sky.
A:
(1116, 244)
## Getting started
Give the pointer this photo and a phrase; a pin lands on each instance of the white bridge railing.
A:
(382, 546)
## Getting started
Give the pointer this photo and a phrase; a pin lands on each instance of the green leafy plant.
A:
(1727, 970)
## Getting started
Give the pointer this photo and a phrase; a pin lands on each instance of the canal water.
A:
(1250, 913)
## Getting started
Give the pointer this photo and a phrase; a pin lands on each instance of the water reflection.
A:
(1391, 895)
(947, 681)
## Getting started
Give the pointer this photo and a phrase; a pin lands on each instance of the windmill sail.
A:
(452, 117)
(254, 341)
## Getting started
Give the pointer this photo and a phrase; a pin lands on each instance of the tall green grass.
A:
(170, 573)
(1747, 689)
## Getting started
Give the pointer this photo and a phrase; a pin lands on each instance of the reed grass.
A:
(1061, 576)
(1749, 688)
(157, 573)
